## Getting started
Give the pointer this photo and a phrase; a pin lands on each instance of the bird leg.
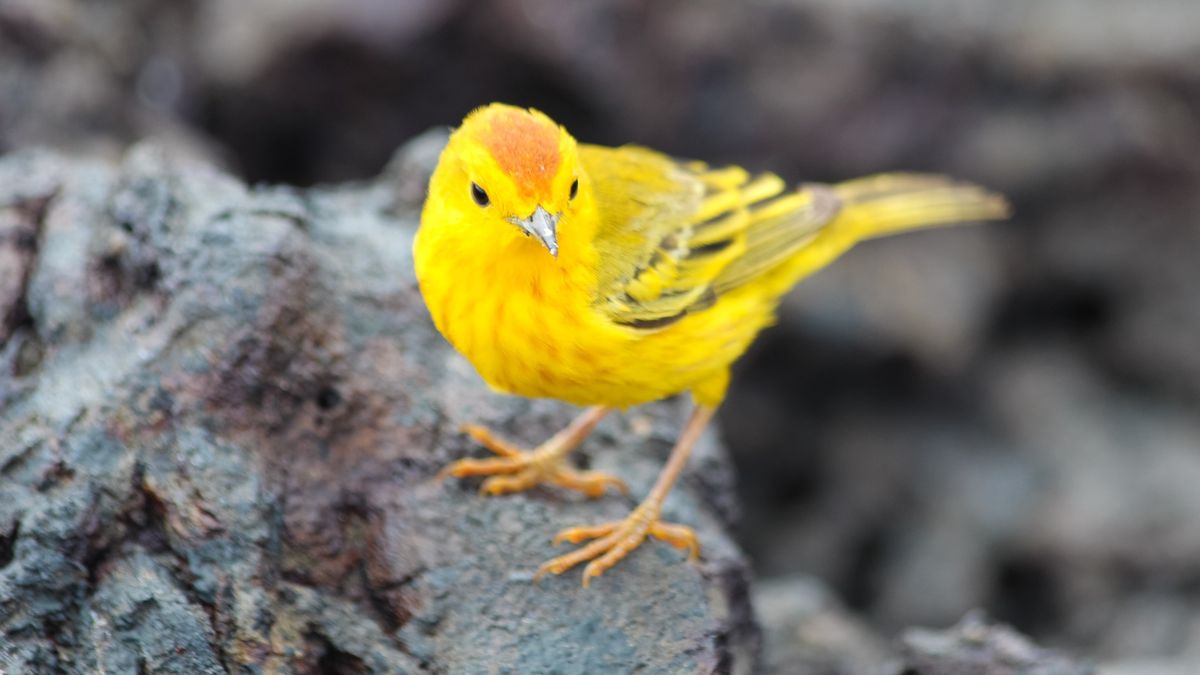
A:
(613, 541)
(516, 470)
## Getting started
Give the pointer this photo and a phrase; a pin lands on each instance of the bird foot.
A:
(516, 470)
(614, 540)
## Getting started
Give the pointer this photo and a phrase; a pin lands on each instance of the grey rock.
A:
(806, 631)
(1150, 666)
(977, 647)
(224, 459)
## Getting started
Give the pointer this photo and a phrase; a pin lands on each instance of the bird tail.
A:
(885, 204)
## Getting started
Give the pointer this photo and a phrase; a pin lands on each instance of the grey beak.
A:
(540, 224)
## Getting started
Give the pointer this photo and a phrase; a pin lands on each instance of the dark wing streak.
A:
(716, 230)
(772, 241)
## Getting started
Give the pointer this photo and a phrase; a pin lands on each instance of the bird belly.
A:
(524, 345)
(548, 350)
(571, 353)
(540, 336)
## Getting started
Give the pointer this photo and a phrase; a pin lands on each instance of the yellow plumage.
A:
(616, 276)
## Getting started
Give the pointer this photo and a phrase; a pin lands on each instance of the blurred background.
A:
(1000, 416)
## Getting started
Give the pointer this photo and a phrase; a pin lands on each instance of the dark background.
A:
(1001, 416)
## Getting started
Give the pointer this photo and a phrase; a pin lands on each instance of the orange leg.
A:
(516, 470)
(613, 541)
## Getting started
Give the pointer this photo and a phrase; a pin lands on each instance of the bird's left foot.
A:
(614, 540)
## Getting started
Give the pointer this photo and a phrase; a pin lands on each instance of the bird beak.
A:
(540, 224)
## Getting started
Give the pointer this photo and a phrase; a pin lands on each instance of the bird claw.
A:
(612, 541)
(517, 470)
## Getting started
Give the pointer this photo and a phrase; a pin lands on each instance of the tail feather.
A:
(889, 203)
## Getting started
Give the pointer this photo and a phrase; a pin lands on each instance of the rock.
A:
(223, 458)
(977, 647)
(806, 631)
(1149, 667)
(19, 232)
(93, 78)
(1110, 526)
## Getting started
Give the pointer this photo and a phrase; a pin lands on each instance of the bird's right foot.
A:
(516, 470)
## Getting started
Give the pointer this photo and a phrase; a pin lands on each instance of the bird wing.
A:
(675, 235)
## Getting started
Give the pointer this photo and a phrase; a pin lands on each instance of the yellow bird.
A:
(610, 277)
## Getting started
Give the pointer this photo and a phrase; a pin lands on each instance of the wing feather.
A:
(676, 235)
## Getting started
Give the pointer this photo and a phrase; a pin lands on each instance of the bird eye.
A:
(574, 188)
(480, 197)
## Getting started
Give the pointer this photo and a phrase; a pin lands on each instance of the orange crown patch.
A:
(525, 146)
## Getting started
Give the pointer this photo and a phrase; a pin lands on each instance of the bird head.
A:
(513, 168)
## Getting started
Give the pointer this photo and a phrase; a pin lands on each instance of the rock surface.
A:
(806, 630)
(975, 647)
(222, 411)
